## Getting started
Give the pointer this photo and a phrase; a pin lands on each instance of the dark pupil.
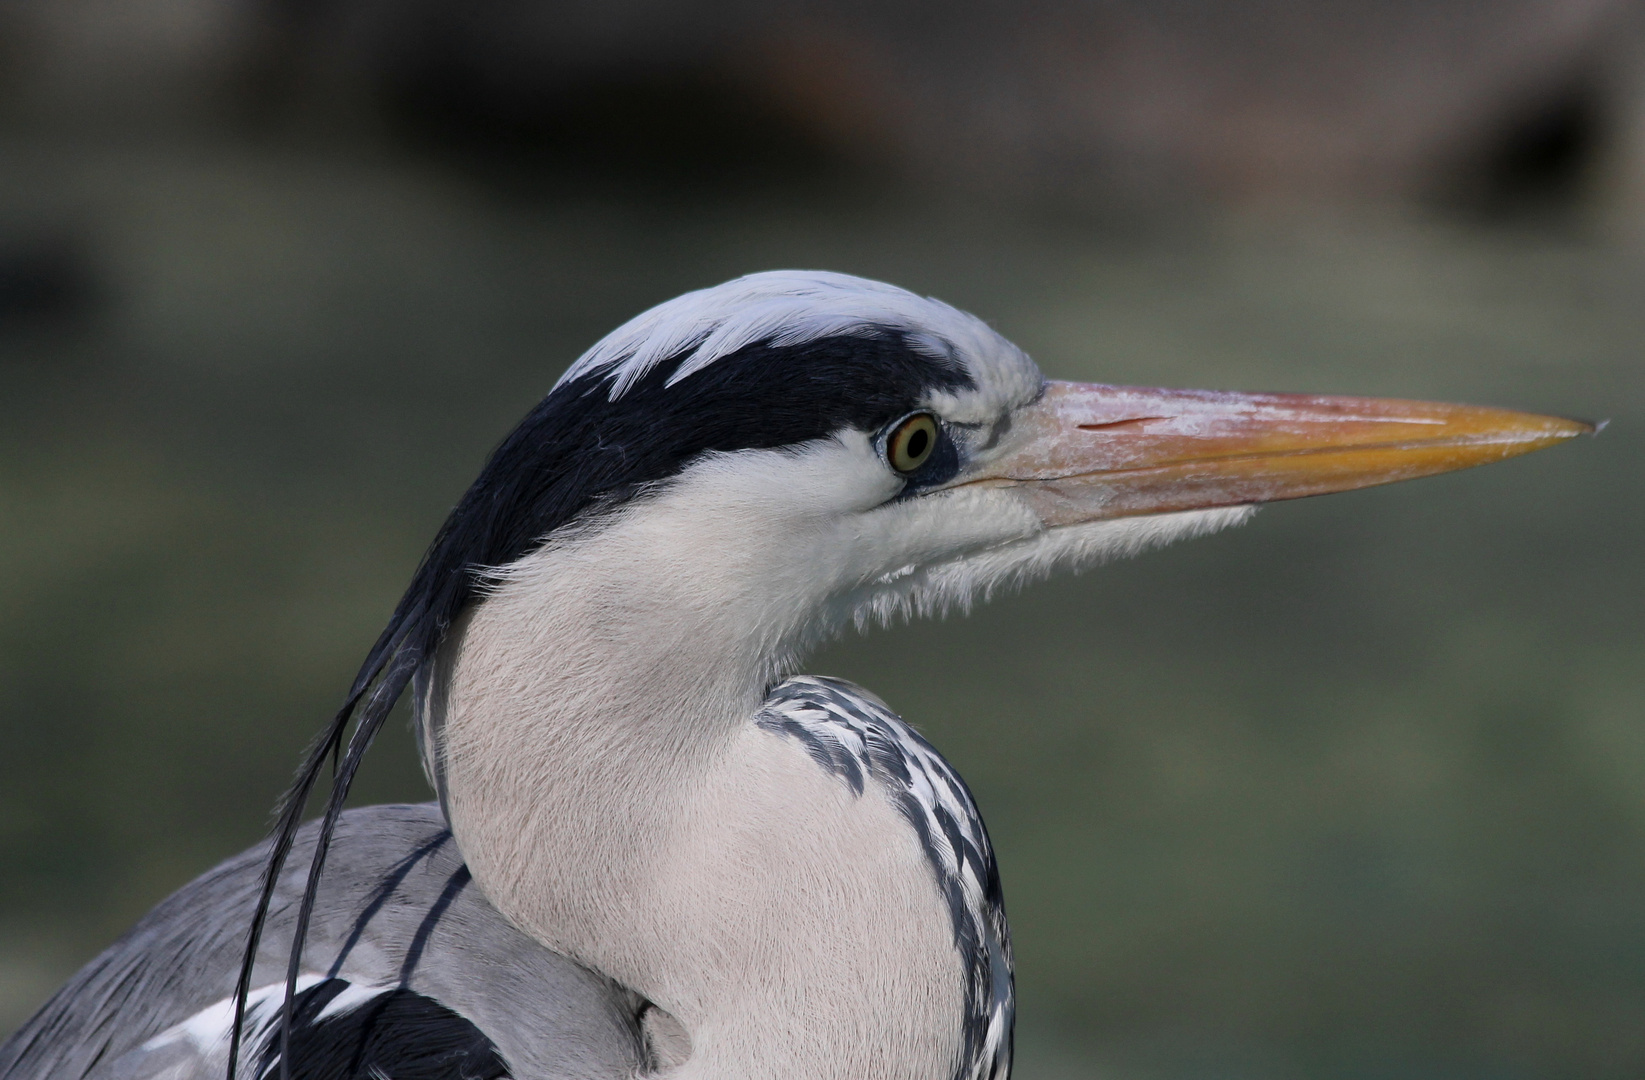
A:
(917, 443)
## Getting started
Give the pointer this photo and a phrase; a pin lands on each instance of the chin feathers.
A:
(958, 584)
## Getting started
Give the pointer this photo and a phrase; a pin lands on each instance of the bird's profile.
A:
(657, 849)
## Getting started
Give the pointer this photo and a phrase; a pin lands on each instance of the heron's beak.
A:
(1084, 452)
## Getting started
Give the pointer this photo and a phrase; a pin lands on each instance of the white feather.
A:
(792, 307)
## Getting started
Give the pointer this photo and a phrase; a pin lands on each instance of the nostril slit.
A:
(1120, 425)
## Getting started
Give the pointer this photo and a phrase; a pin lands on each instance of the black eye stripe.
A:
(577, 447)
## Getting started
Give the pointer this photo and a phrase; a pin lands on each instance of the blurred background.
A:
(1356, 791)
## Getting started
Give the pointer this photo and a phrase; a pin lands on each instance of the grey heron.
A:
(656, 849)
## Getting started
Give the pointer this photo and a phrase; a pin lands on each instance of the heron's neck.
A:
(612, 797)
(593, 672)
(585, 699)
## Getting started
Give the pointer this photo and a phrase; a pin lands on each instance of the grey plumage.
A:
(396, 909)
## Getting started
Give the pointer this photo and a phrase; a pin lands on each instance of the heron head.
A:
(835, 450)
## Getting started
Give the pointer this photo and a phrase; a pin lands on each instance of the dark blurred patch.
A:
(1077, 105)
(697, 126)
(652, 99)
(46, 279)
(1539, 159)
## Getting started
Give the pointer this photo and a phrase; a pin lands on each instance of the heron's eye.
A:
(912, 442)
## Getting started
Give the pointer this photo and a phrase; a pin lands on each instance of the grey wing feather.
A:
(396, 910)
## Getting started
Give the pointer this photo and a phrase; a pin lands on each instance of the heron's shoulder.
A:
(851, 733)
(407, 966)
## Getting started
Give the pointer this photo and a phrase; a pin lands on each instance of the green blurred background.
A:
(1355, 791)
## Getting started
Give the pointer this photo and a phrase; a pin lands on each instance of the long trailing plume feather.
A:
(385, 673)
(381, 701)
(288, 818)
(501, 516)
(504, 514)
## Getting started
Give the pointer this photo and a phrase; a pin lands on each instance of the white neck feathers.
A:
(613, 797)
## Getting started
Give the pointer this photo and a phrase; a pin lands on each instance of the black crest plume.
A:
(575, 451)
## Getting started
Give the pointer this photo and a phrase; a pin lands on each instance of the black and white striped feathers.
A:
(856, 736)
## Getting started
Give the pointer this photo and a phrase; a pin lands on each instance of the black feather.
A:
(398, 1033)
